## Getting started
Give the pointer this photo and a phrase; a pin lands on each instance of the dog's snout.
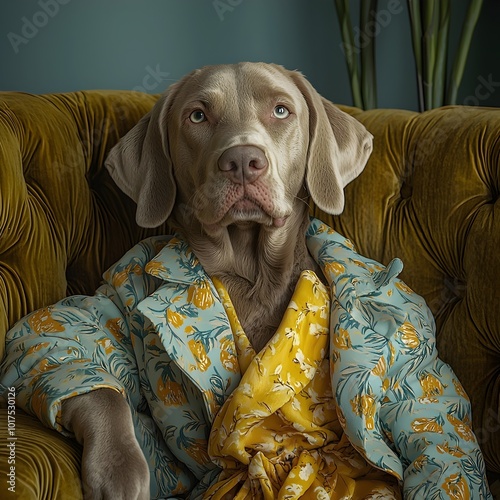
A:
(243, 164)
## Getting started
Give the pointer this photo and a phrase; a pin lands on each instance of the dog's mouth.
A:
(240, 205)
(241, 212)
(246, 204)
(247, 210)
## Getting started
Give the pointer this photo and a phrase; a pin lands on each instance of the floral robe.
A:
(347, 400)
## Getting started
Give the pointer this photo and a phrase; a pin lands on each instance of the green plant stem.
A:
(350, 51)
(440, 68)
(430, 29)
(368, 65)
(468, 28)
(416, 34)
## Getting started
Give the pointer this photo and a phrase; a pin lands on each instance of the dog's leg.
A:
(113, 465)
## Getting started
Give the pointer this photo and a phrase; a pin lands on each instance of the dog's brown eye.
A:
(281, 112)
(197, 116)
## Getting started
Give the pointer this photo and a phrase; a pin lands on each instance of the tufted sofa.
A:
(428, 195)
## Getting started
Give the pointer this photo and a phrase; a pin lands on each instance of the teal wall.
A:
(65, 45)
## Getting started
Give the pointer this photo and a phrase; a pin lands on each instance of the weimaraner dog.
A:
(232, 154)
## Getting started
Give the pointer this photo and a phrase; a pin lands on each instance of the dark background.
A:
(66, 45)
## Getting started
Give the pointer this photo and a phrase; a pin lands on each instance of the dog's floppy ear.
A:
(339, 147)
(141, 167)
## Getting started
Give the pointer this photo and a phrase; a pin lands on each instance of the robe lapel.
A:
(191, 323)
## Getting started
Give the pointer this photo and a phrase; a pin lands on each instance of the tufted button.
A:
(406, 179)
(495, 195)
(454, 288)
(450, 293)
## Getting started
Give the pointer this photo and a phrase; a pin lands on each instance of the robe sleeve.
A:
(81, 343)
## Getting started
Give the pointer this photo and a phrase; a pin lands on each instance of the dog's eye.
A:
(281, 112)
(197, 116)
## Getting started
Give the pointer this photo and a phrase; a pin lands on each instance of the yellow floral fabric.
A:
(278, 435)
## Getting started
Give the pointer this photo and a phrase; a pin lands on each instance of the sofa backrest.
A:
(63, 221)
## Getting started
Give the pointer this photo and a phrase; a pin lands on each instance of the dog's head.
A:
(238, 143)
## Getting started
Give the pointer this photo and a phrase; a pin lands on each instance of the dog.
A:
(232, 155)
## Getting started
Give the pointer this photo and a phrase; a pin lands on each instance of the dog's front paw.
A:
(113, 465)
(114, 470)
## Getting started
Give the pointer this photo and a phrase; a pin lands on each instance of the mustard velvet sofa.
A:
(429, 195)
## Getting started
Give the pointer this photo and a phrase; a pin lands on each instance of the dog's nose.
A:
(243, 164)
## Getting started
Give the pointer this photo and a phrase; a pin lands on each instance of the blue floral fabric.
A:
(403, 408)
(158, 331)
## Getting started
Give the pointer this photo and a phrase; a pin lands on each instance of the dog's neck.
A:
(259, 266)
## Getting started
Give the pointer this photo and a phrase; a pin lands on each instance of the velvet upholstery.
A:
(428, 195)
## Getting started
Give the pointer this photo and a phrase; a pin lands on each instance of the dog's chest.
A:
(259, 309)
